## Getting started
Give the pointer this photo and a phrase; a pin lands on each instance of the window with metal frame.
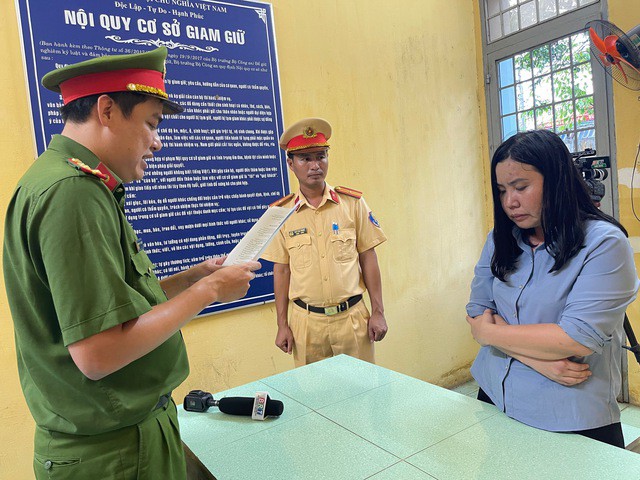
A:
(544, 76)
(550, 87)
(505, 17)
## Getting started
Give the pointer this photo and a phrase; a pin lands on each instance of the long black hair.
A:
(566, 202)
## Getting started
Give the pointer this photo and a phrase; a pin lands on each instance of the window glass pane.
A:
(524, 93)
(569, 140)
(585, 114)
(544, 117)
(587, 2)
(582, 80)
(541, 60)
(523, 66)
(507, 101)
(506, 4)
(526, 121)
(560, 54)
(528, 14)
(542, 90)
(510, 21)
(509, 127)
(495, 28)
(566, 5)
(564, 117)
(580, 47)
(562, 85)
(586, 139)
(546, 9)
(493, 7)
(505, 70)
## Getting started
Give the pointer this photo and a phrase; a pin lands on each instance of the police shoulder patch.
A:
(83, 167)
(349, 191)
(373, 220)
(282, 201)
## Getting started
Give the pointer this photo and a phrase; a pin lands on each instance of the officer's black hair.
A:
(292, 153)
(78, 111)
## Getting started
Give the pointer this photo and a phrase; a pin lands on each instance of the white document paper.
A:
(258, 237)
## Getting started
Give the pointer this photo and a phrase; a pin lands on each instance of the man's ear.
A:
(289, 162)
(105, 108)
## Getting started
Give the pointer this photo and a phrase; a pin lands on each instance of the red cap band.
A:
(300, 142)
(111, 81)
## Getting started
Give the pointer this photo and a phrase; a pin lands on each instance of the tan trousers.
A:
(317, 336)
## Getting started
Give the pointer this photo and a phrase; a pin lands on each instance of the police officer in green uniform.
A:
(97, 334)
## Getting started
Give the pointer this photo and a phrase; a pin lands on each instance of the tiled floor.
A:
(630, 416)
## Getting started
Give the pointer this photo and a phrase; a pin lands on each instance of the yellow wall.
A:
(626, 15)
(400, 85)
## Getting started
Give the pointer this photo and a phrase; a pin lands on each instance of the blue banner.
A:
(220, 165)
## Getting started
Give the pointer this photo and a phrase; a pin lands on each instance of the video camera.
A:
(593, 171)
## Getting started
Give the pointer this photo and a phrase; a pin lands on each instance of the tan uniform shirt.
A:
(323, 258)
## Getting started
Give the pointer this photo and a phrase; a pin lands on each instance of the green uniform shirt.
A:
(73, 268)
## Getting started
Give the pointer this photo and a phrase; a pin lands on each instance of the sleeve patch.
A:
(373, 220)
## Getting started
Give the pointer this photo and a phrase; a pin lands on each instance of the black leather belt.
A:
(163, 400)
(332, 310)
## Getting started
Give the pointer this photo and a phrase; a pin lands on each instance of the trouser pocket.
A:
(54, 467)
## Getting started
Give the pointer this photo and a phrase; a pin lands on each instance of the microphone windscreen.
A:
(236, 405)
(244, 406)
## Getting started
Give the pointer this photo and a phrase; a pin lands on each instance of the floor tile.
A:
(466, 388)
(631, 416)
(422, 414)
(631, 434)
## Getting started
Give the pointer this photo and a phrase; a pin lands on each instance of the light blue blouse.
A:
(587, 299)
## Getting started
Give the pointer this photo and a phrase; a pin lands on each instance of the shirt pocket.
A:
(55, 467)
(145, 280)
(299, 248)
(343, 245)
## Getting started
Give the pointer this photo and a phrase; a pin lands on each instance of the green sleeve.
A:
(76, 236)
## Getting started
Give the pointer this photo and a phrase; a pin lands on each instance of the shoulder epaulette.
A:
(282, 201)
(83, 167)
(349, 191)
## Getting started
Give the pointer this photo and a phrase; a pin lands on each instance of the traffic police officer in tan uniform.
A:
(97, 335)
(324, 258)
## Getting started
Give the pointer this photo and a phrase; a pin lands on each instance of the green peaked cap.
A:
(138, 72)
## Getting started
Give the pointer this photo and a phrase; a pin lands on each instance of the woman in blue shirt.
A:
(549, 295)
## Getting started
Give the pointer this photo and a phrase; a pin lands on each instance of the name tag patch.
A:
(300, 231)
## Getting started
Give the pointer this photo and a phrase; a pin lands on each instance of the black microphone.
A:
(200, 401)
(244, 406)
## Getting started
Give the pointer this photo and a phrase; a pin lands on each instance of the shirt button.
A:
(319, 234)
(48, 464)
(326, 278)
(322, 255)
(520, 287)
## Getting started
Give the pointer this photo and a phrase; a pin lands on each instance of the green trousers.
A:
(151, 449)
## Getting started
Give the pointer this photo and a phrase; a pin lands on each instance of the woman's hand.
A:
(482, 324)
(564, 371)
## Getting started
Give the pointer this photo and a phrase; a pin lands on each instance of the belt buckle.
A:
(331, 310)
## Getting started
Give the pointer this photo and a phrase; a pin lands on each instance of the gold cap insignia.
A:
(309, 132)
